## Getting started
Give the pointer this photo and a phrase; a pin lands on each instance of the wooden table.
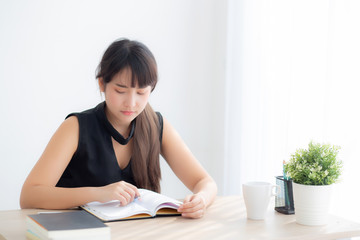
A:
(225, 219)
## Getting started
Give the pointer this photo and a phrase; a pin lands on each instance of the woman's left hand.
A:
(194, 206)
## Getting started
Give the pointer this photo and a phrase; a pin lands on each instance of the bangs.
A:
(133, 55)
(141, 73)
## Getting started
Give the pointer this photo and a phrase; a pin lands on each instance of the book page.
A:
(113, 210)
(154, 201)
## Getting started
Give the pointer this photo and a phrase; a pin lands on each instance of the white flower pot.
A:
(312, 203)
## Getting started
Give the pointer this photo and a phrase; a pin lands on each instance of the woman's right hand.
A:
(122, 191)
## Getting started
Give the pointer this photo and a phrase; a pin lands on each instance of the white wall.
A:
(49, 52)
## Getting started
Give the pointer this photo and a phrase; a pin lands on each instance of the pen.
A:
(284, 172)
(287, 202)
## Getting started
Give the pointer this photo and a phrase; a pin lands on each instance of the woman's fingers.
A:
(122, 191)
(196, 214)
(193, 207)
(127, 193)
(132, 190)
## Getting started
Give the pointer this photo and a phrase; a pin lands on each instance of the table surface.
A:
(224, 219)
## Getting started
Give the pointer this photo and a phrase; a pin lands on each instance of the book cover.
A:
(66, 225)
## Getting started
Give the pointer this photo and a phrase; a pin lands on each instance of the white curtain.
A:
(293, 75)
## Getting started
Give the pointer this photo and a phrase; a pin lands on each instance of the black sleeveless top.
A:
(94, 162)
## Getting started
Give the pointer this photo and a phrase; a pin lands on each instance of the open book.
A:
(149, 204)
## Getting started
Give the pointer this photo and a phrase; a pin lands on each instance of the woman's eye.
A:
(141, 93)
(121, 92)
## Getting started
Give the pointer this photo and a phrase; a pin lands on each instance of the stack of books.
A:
(74, 225)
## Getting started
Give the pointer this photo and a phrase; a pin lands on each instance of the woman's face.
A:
(124, 103)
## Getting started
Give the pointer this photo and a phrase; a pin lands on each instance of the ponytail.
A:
(145, 162)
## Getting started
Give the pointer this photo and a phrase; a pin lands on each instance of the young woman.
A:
(107, 152)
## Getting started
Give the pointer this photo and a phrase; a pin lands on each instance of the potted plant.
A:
(313, 172)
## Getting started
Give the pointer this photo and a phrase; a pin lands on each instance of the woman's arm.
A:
(189, 171)
(39, 189)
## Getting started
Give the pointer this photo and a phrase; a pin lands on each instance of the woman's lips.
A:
(128, 113)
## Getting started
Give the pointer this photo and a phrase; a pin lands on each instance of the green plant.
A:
(317, 165)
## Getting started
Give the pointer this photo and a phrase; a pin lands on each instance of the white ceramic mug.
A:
(257, 197)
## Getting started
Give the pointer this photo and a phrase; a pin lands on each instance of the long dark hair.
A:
(134, 55)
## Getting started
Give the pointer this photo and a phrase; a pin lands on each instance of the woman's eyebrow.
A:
(124, 86)
(120, 85)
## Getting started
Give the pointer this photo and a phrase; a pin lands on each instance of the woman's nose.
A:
(130, 100)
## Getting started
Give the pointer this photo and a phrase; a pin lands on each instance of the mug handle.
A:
(275, 190)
